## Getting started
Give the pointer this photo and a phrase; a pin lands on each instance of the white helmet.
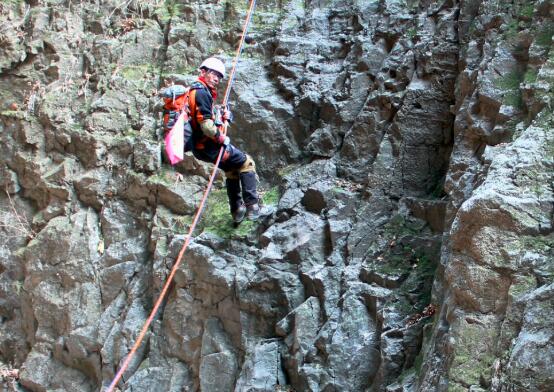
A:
(214, 64)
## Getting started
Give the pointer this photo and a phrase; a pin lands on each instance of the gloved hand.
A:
(227, 115)
(222, 139)
(222, 115)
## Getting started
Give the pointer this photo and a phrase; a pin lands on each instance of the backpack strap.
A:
(174, 91)
(198, 86)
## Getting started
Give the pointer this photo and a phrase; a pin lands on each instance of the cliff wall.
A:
(407, 146)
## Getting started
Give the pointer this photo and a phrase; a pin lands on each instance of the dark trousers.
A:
(232, 159)
(231, 163)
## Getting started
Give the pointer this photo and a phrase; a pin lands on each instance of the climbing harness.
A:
(169, 279)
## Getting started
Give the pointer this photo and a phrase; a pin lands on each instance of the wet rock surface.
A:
(406, 145)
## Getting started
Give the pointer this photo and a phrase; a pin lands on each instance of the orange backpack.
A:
(176, 101)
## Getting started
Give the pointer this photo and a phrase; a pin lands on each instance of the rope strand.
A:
(165, 288)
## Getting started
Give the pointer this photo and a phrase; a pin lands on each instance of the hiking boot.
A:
(255, 211)
(239, 214)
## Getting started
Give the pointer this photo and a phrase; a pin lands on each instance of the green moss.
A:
(412, 4)
(544, 35)
(18, 114)
(399, 226)
(285, 171)
(511, 30)
(419, 359)
(406, 374)
(163, 176)
(411, 33)
(11, 3)
(403, 306)
(144, 364)
(217, 216)
(455, 387)
(509, 81)
(527, 10)
(510, 84)
(418, 362)
(18, 286)
(522, 285)
(395, 265)
(161, 247)
(473, 357)
(472, 27)
(136, 72)
(130, 132)
(530, 76)
(238, 5)
(541, 244)
(186, 70)
(183, 222)
(438, 191)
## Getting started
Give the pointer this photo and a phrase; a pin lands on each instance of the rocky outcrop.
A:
(406, 145)
(500, 205)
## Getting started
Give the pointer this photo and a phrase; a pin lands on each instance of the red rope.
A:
(165, 288)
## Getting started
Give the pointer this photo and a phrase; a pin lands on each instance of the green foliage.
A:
(217, 216)
(271, 196)
(167, 11)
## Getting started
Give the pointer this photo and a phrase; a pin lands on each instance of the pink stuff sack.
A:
(175, 141)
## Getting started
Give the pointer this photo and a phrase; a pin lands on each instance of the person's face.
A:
(212, 78)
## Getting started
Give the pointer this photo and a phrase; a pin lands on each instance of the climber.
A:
(207, 139)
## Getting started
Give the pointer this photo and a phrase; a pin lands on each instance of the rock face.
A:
(407, 146)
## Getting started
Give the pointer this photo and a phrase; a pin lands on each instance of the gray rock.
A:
(218, 362)
(146, 157)
(262, 368)
(300, 240)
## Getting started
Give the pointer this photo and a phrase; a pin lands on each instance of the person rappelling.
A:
(204, 136)
(195, 127)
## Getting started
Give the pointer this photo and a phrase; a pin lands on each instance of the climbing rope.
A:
(169, 279)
